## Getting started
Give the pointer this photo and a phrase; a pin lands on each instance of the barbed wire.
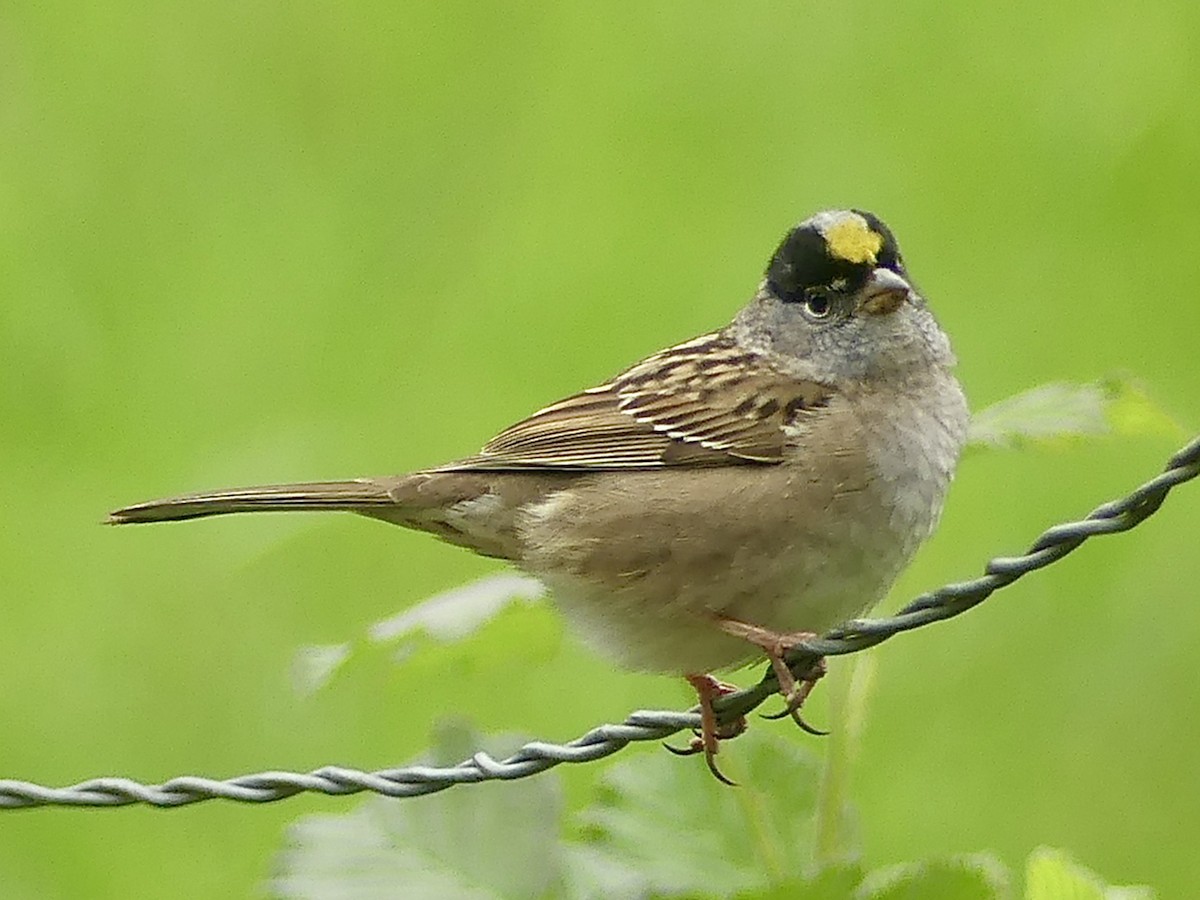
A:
(645, 725)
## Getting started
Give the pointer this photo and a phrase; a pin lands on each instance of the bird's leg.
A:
(707, 739)
(775, 646)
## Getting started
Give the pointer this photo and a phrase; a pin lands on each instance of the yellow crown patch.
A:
(850, 239)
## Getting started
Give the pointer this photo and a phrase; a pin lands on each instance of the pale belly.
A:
(639, 563)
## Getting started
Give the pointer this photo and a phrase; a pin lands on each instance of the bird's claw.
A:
(697, 746)
(794, 698)
(788, 711)
(706, 739)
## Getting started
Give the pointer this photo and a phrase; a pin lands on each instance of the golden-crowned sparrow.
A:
(722, 497)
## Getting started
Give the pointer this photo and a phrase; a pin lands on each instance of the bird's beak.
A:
(883, 293)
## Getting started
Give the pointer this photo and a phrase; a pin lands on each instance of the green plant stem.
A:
(850, 680)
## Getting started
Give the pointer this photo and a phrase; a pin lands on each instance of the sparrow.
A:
(720, 500)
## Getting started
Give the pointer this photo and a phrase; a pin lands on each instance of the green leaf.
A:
(1058, 413)
(1132, 413)
(977, 876)
(590, 873)
(446, 618)
(459, 612)
(314, 664)
(667, 826)
(477, 842)
(834, 883)
(1052, 875)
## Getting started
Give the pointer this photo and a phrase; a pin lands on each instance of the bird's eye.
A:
(817, 306)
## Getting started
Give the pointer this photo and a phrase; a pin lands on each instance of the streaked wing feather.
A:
(705, 402)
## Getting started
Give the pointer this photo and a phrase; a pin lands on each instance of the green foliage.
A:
(1061, 413)
(446, 617)
(657, 827)
(1052, 875)
(975, 877)
(662, 818)
(474, 843)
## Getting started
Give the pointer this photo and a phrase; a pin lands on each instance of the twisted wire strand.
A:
(644, 725)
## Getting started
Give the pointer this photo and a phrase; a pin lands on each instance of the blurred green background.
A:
(246, 242)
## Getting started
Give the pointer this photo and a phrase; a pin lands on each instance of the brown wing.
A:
(706, 402)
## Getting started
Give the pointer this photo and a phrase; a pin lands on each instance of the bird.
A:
(722, 499)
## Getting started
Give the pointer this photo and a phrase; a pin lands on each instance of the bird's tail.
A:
(359, 496)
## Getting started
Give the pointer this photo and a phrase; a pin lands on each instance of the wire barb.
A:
(538, 756)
